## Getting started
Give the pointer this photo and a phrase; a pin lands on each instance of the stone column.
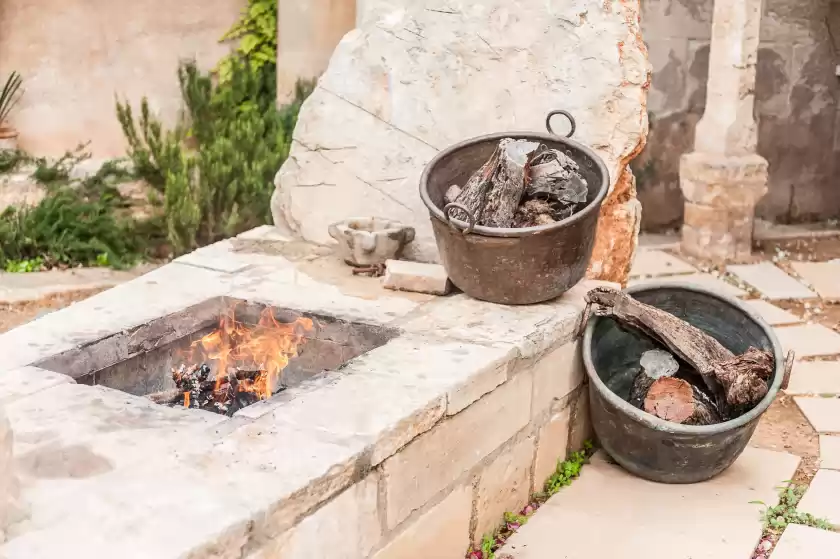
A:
(307, 33)
(723, 179)
(10, 510)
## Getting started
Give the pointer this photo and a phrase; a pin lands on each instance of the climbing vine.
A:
(256, 31)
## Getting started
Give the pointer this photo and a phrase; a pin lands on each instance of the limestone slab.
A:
(823, 277)
(552, 445)
(703, 280)
(823, 497)
(437, 458)
(822, 413)
(809, 340)
(804, 542)
(27, 381)
(709, 520)
(416, 276)
(771, 281)
(815, 377)
(440, 531)
(503, 486)
(348, 527)
(556, 375)
(773, 315)
(414, 79)
(654, 263)
(830, 452)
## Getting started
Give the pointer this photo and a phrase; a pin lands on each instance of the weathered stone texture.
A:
(796, 95)
(415, 78)
(9, 488)
(552, 445)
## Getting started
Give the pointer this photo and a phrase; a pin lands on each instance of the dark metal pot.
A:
(513, 266)
(644, 444)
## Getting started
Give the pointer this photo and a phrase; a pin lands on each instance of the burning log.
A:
(522, 184)
(676, 400)
(737, 383)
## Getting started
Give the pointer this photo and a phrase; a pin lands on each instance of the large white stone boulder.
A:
(10, 510)
(419, 75)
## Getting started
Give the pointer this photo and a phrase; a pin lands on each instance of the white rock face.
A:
(420, 75)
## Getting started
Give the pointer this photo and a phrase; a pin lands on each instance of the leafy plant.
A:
(257, 34)
(778, 517)
(48, 172)
(25, 266)
(9, 96)
(566, 471)
(215, 169)
(9, 159)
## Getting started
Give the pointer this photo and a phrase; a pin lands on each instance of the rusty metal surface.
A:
(644, 444)
(513, 266)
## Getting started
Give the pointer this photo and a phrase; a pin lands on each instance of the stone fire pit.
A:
(409, 421)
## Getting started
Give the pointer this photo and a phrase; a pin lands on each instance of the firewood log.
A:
(675, 400)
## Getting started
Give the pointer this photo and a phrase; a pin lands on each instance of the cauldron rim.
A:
(594, 205)
(654, 422)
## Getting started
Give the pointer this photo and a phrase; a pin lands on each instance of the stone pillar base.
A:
(720, 197)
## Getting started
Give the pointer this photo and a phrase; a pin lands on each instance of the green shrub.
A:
(215, 169)
(257, 34)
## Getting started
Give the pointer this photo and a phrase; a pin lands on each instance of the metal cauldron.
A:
(513, 266)
(643, 444)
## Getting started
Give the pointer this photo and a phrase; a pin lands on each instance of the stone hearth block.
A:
(804, 542)
(809, 340)
(822, 413)
(821, 499)
(606, 495)
(285, 474)
(27, 381)
(829, 452)
(773, 315)
(401, 275)
(656, 263)
(815, 377)
(703, 280)
(414, 79)
(824, 277)
(771, 282)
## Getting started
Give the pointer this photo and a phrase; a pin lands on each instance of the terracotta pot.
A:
(8, 138)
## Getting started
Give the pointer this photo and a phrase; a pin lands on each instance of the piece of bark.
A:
(691, 344)
(451, 194)
(508, 184)
(474, 194)
(675, 400)
(533, 213)
(744, 377)
(655, 364)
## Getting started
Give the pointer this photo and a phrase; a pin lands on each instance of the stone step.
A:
(771, 281)
(815, 377)
(824, 278)
(773, 314)
(829, 452)
(823, 497)
(654, 263)
(822, 413)
(809, 340)
(804, 542)
(611, 513)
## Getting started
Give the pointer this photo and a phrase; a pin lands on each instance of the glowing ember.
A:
(247, 362)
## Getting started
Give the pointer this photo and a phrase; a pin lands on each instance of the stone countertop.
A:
(107, 473)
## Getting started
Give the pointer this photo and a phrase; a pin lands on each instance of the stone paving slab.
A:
(809, 340)
(658, 263)
(815, 377)
(609, 513)
(823, 497)
(824, 278)
(703, 280)
(804, 542)
(822, 413)
(771, 281)
(17, 288)
(773, 314)
(830, 452)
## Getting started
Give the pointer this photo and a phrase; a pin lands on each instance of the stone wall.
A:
(76, 55)
(452, 484)
(796, 105)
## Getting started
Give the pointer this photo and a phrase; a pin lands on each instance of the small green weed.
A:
(24, 266)
(777, 518)
(566, 472)
(9, 159)
(50, 172)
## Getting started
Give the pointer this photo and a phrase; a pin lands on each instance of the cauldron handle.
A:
(565, 114)
(471, 217)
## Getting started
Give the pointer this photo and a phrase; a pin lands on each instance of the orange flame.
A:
(266, 347)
